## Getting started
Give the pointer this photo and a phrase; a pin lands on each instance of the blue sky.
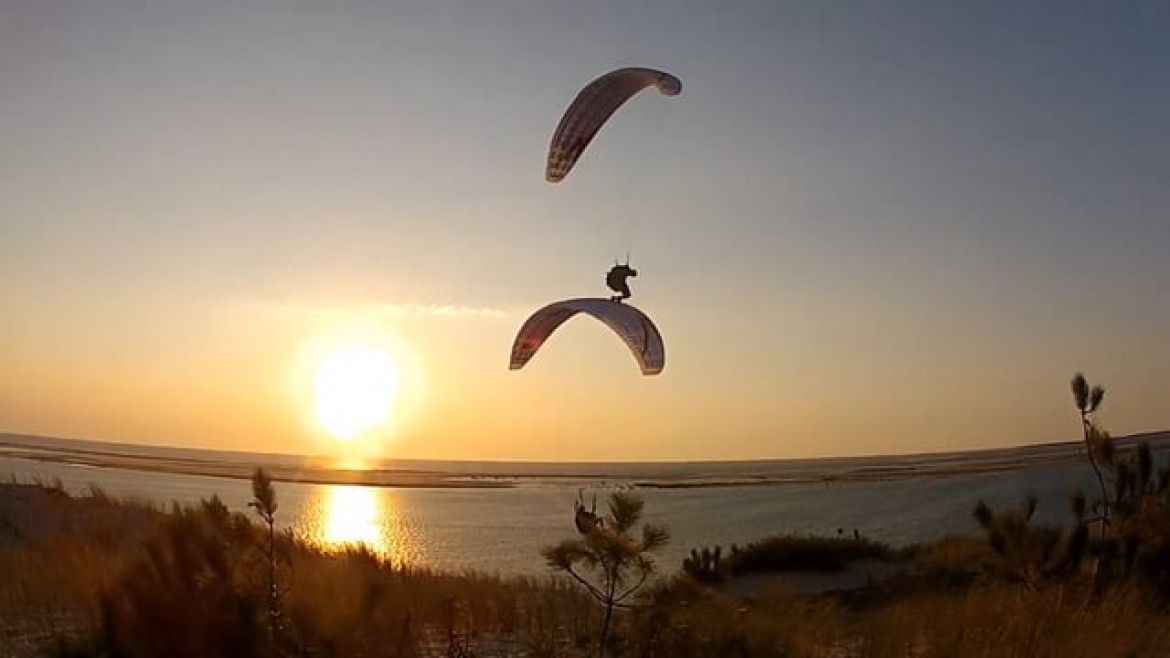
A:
(861, 228)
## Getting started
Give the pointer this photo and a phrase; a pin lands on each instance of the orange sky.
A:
(859, 232)
(241, 377)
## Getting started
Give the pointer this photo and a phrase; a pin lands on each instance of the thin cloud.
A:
(384, 310)
(437, 310)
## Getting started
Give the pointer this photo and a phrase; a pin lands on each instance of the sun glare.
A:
(353, 516)
(355, 388)
(343, 515)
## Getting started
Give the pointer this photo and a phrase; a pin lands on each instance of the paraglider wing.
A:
(638, 332)
(592, 108)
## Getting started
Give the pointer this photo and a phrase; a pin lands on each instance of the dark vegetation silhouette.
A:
(783, 553)
(611, 560)
(128, 579)
(1031, 554)
(264, 503)
(1130, 510)
(206, 581)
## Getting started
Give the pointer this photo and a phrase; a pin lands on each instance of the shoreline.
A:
(279, 473)
(310, 473)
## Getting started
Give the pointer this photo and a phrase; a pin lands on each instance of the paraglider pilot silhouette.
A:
(586, 520)
(616, 280)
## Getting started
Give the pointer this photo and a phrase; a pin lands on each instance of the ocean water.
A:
(501, 530)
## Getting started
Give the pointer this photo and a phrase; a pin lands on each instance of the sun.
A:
(355, 388)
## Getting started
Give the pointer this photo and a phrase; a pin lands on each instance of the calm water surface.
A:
(502, 530)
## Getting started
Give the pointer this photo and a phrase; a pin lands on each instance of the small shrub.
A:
(804, 553)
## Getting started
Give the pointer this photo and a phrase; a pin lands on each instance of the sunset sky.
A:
(861, 228)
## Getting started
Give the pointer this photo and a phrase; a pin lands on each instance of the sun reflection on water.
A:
(347, 515)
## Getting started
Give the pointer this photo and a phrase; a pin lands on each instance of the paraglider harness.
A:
(586, 520)
(616, 280)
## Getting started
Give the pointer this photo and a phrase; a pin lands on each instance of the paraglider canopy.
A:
(630, 324)
(593, 106)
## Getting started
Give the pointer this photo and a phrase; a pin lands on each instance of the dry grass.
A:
(953, 554)
(189, 582)
(1003, 621)
(351, 603)
(102, 572)
(57, 553)
(687, 622)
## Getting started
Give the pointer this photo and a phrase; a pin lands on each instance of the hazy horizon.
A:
(862, 231)
(328, 454)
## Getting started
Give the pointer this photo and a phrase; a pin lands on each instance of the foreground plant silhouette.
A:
(1031, 554)
(185, 594)
(618, 561)
(1134, 502)
(264, 502)
(1131, 511)
(1098, 443)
